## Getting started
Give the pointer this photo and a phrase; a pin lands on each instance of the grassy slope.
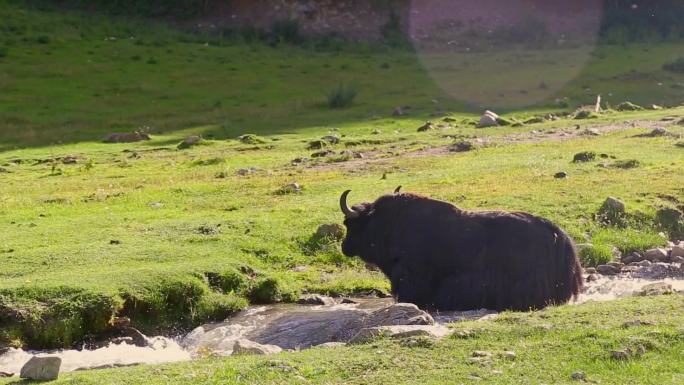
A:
(58, 223)
(549, 347)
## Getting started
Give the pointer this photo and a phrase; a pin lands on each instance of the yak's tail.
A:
(567, 268)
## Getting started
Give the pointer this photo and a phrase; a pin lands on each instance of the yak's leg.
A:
(464, 291)
(409, 288)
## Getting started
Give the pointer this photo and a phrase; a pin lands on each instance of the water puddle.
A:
(289, 326)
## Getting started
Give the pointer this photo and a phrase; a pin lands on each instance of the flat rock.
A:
(189, 142)
(315, 299)
(401, 331)
(44, 368)
(607, 270)
(331, 345)
(251, 347)
(655, 289)
(677, 251)
(656, 255)
(398, 314)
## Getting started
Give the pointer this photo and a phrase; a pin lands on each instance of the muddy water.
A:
(253, 323)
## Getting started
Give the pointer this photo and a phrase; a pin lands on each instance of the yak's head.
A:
(362, 232)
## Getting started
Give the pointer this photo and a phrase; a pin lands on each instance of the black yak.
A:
(440, 257)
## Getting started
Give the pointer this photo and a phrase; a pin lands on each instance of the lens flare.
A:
(504, 53)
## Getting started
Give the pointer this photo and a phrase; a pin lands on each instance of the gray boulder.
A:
(612, 211)
(657, 255)
(607, 270)
(190, 141)
(315, 299)
(41, 368)
(331, 230)
(488, 119)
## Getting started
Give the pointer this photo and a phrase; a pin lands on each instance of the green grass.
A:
(173, 238)
(549, 347)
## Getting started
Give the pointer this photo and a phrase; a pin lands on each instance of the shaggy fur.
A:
(440, 257)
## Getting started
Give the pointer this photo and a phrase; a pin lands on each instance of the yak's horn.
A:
(343, 205)
(396, 190)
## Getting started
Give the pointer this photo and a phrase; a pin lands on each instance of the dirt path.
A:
(580, 129)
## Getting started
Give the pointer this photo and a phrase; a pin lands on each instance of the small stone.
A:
(607, 270)
(376, 132)
(398, 111)
(114, 242)
(677, 252)
(584, 156)
(322, 154)
(190, 141)
(509, 355)
(656, 255)
(251, 347)
(332, 139)
(593, 277)
(330, 230)
(481, 353)
(45, 368)
(315, 299)
(488, 119)
(620, 355)
(656, 289)
(426, 127)
(560, 175)
(632, 257)
(462, 146)
(578, 375)
(590, 270)
(591, 132)
(612, 211)
(291, 188)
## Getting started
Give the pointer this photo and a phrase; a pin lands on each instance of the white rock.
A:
(489, 119)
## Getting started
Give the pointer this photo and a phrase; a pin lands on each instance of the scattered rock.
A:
(677, 251)
(655, 289)
(620, 355)
(426, 127)
(126, 137)
(332, 139)
(607, 270)
(401, 331)
(584, 156)
(399, 314)
(190, 141)
(300, 160)
(250, 347)
(250, 139)
(489, 119)
(560, 175)
(628, 106)
(291, 188)
(331, 345)
(246, 171)
(578, 375)
(612, 211)
(462, 146)
(44, 368)
(657, 133)
(590, 132)
(315, 299)
(584, 114)
(656, 255)
(331, 230)
(633, 257)
(322, 154)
